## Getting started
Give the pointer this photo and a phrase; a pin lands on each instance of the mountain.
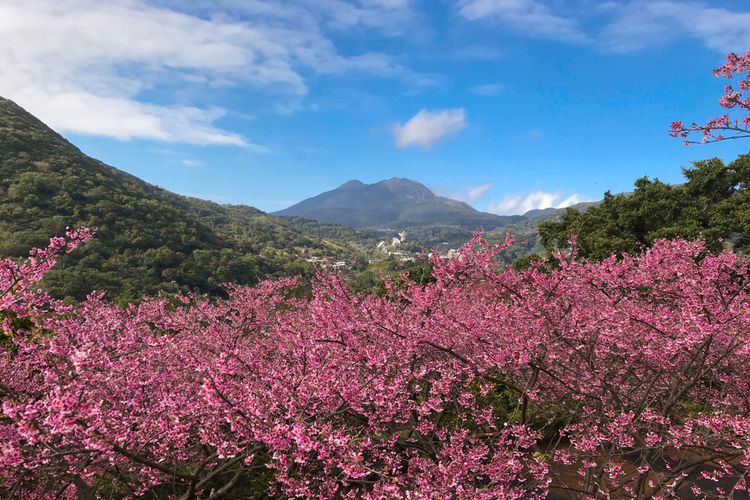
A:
(394, 203)
(551, 213)
(148, 239)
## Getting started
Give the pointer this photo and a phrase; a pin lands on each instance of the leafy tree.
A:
(711, 205)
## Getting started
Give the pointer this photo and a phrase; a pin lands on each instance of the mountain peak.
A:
(354, 183)
(407, 187)
(399, 180)
(394, 202)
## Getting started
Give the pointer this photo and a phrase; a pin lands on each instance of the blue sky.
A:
(506, 104)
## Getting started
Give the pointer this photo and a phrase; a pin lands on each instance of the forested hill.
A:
(713, 204)
(400, 203)
(147, 237)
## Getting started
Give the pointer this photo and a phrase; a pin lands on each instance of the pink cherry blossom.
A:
(734, 98)
(623, 378)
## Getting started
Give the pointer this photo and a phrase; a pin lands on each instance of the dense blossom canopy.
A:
(627, 377)
(735, 98)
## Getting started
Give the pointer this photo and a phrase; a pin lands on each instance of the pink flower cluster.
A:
(17, 280)
(624, 378)
(724, 127)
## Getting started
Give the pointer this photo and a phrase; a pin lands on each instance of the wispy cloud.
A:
(84, 66)
(469, 194)
(619, 26)
(532, 17)
(520, 204)
(425, 128)
(191, 163)
(638, 25)
(487, 90)
(388, 17)
(391, 17)
(476, 192)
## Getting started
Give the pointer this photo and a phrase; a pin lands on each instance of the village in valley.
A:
(398, 248)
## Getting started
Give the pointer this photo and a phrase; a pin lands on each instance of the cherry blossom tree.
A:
(622, 378)
(735, 98)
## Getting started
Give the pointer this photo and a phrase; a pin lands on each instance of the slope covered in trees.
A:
(147, 238)
(713, 204)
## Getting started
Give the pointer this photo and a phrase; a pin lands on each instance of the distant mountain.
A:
(148, 239)
(551, 213)
(394, 203)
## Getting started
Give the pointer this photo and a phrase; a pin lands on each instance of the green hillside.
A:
(148, 239)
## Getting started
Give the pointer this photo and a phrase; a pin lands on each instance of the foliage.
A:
(151, 240)
(714, 205)
(148, 239)
(724, 127)
(375, 277)
(626, 377)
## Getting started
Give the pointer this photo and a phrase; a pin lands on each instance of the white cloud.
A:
(191, 163)
(427, 127)
(487, 90)
(468, 194)
(530, 17)
(639, 24)
(122, 118)
(628, 25)
(86, 66)
(476, 192)
(520, 204)
(389, 17)
(392, 17)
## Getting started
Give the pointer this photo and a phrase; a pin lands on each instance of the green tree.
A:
(713, 204)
